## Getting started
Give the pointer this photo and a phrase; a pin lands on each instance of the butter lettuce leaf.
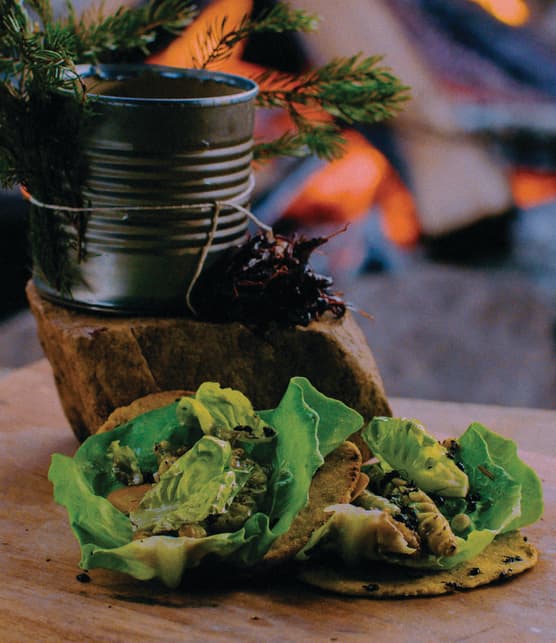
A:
(308, 426)
(503, 453)
(404, 446)
(92, 518)
(499, 495)
(140, 435)
(200, 483)
(219, 410)
(162, 557)
(507, 493)
(336, 421)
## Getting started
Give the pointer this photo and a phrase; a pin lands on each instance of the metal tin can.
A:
(162, 138)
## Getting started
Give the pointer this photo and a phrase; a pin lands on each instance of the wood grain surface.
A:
(42, 600)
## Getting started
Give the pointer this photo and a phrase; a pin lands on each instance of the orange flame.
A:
(514, 13)
(344, 190)
(187, 48)
(532, 187)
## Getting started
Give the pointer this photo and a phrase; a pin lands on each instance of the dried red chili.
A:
(268, 279)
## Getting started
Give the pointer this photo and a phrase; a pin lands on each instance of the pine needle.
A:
(219, 41)
(324, 141)
(352, 90)
(100, 38)
(355, 89)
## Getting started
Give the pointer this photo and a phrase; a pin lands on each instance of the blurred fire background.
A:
(450, 209)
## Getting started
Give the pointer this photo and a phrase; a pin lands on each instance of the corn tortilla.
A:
(144, 404)
(333, 483)
(509, 555)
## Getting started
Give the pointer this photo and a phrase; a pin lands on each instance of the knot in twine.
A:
(214, 206)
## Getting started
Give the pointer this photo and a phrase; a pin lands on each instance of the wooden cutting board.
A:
(41, 598)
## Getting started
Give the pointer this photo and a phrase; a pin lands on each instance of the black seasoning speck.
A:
(525, 539)
(455, 587)
(83, 578)
(472, 499)
(371, 587)
(512, 559)
(47, 560)
(474, 571)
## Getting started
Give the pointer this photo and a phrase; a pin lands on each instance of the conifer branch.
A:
(217, 44)
(325, 141)
(99, 37)
(352, 90)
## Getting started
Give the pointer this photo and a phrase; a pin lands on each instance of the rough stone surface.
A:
(102, 362)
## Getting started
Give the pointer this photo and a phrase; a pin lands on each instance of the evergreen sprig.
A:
(352, 90)
(101, 38)
(323, 140)
(34, 66)
(217, 43)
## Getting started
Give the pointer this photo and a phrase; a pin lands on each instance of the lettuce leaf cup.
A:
(211, 478)
(430, 505)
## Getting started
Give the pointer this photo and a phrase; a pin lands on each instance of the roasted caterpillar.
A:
(432, 526)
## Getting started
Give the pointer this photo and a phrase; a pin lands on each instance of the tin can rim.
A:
(248, 88)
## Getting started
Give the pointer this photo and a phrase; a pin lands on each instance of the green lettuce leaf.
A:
(140, 435)
(92, 518)
(162, 557)
(503, 453)
(200, 483)
(499, 502)
(404, 445)
(219, 410)
(305, 434)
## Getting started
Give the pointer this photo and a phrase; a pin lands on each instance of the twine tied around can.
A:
(215, 207)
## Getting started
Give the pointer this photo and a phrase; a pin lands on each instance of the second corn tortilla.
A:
(509, 555)
(333, 483)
